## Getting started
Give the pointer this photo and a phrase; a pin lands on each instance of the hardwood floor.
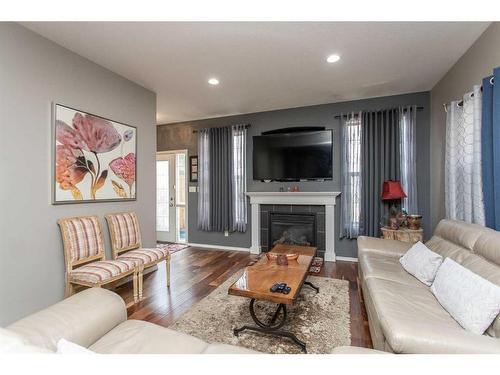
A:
(195, 273)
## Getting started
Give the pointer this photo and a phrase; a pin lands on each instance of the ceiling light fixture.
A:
(333, 58)
(213, 81)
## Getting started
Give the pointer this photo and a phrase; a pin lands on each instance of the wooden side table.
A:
(403, 234)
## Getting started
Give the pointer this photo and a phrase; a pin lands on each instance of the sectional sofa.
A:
(403, 314)
(96, 319)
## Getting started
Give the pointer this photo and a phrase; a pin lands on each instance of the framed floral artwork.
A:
(94, 158)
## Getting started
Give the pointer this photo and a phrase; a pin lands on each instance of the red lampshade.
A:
(392, 190)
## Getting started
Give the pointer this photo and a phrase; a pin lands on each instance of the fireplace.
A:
(319, 203)
(292, 229)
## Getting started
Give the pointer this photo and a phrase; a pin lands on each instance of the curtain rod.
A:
(379, 110)
(246, 127)
(461, 102)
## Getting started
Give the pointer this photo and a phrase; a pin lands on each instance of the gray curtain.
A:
(219, 199)
(380, 161)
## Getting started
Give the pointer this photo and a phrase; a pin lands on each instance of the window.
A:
(239, 178)
(408, 173)
(180, 199)
(162, 191)
(351, 178)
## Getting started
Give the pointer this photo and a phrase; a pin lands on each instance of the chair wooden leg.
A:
(167, 265)
(135, 282)
(69, 290)
(141, 277)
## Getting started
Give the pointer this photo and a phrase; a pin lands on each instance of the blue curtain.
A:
(490, 149)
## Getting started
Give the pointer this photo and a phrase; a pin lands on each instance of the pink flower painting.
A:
(85, 146)
(124, 168)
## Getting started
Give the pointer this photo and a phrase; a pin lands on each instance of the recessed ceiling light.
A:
(213, 81)
(333, 58)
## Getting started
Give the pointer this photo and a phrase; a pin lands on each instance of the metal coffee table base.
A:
(273, 326)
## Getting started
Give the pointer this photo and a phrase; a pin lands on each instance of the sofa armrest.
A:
(382, 246)
(435, 339)
(82, 319)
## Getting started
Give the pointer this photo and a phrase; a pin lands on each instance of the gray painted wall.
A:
(33, 73)
(180, 136)
(478, 62)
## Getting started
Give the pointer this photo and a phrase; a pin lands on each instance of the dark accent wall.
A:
(180, 136)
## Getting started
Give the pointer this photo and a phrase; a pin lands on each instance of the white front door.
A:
(165, 198)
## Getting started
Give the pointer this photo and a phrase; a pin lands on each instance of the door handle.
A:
(171, 203)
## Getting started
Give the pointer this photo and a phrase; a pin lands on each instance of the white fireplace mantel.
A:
(320, 198)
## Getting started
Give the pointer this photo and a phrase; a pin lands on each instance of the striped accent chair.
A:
(85, 258)
(126, 243)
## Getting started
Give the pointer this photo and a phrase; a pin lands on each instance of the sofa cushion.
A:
(460, 233)
(139, 337)
(448, 249)
(455, 239)
(487, 246)
(421, 262)
(385, 267)
(413, 321)
(67, 347)
(380, 246)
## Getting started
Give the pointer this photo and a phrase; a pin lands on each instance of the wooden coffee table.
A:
(257, 279)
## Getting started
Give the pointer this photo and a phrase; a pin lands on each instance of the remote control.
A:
(278, 288)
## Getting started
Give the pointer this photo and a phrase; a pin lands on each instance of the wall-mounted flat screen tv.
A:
(305, 155)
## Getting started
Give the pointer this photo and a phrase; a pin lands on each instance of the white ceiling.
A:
(266, 66)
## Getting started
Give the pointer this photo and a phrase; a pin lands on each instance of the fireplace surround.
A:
(320, 203)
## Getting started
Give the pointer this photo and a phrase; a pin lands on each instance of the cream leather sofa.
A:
(404, 316)
(96, 318)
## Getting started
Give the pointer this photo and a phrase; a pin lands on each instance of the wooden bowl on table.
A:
(281, 259)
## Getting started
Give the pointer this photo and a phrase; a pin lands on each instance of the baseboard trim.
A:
(347, 259)
(219, 247)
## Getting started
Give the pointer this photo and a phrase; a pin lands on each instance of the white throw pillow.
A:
(11, 342)
(421, 262)
(472, 301)
(68, 347)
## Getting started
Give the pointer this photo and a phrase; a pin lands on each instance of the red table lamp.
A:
(392, 190)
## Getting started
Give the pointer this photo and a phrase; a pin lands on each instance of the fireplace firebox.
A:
(292, 229)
